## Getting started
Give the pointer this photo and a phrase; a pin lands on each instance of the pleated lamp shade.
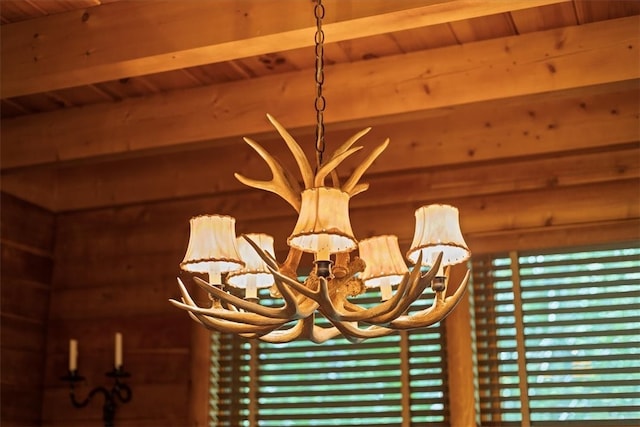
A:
(438, 230)
(323, 225)
(254, 274)
(212, 245)
(385, 266)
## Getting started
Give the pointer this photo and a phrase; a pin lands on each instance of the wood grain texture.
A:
(494, 69)
(432, 149)
(26, 258)
(46, 59)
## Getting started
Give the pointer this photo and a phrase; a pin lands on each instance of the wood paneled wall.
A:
(115, 271)
(27, 260)
(116, 267)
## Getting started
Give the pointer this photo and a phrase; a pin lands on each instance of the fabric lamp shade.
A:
(438, 230)
(255, 272)
(212, 245)
(323, 225)
(385, 266)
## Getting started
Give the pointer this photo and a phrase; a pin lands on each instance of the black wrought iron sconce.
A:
(120, 392)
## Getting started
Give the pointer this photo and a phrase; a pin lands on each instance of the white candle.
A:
(215, 278)
(251, 292)
(324, 241)
(118, 353)
(385, 290)
(73, 355)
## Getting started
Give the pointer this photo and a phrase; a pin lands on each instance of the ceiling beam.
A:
(496, 131)
(128, 39)
(573, 57)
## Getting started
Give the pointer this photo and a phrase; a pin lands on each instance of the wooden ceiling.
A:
(113, 103)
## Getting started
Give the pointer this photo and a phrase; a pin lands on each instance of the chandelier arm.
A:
(224, 314)
(297, 286)
(333, 163)
(296, 306)
(244, 304)
(279, 184)
(296, 150)
(232, 327)
(320, 335)
(438, 311)
(414, 291)
(360, 170)
(331, 308)
(281, 336)
(190, 305)
(358, 335)
(409, 289)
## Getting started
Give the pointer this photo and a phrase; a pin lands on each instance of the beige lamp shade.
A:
(212, 245)
(438, 230)
(323, 224)
(385, 266)
(255, 273)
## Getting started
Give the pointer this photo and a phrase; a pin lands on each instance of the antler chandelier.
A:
(324, 229)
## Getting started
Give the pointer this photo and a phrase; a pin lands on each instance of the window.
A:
(558, 337)
(336, 383)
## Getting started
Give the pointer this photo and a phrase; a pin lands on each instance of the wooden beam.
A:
(570, 58)
(453, 156)
(127, 39)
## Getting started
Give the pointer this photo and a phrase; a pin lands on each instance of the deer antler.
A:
(350, 185)
(298, 154)
(280, 184)
(296, 317)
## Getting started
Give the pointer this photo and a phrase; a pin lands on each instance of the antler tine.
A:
(297, 286)
(279, 185)
(360, 188)
(413, 291)
(234, 316)
(185, 294)
(283, 336)
(318, 334)
(331, 164)
(438, 311)
(266, 256)
(360, 170)
(241, 303)
(233, 327)
(337, 157)
(292, 308)
(352, 140)
(356, 334)
(298, 154)
(358, 313)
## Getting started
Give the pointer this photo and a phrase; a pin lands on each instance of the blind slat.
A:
(580, 315)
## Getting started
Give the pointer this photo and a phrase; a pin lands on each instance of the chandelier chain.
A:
(320, 102)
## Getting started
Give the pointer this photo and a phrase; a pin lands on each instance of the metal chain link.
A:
(320, 102)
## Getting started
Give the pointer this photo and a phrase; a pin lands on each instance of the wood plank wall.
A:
(27, 259)
(116, 267)
(115, 271)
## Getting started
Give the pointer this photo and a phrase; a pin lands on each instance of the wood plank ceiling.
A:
(112, 103)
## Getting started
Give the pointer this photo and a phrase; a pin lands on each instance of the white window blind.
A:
(558, 337)
(229, 398)
(337, 383)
